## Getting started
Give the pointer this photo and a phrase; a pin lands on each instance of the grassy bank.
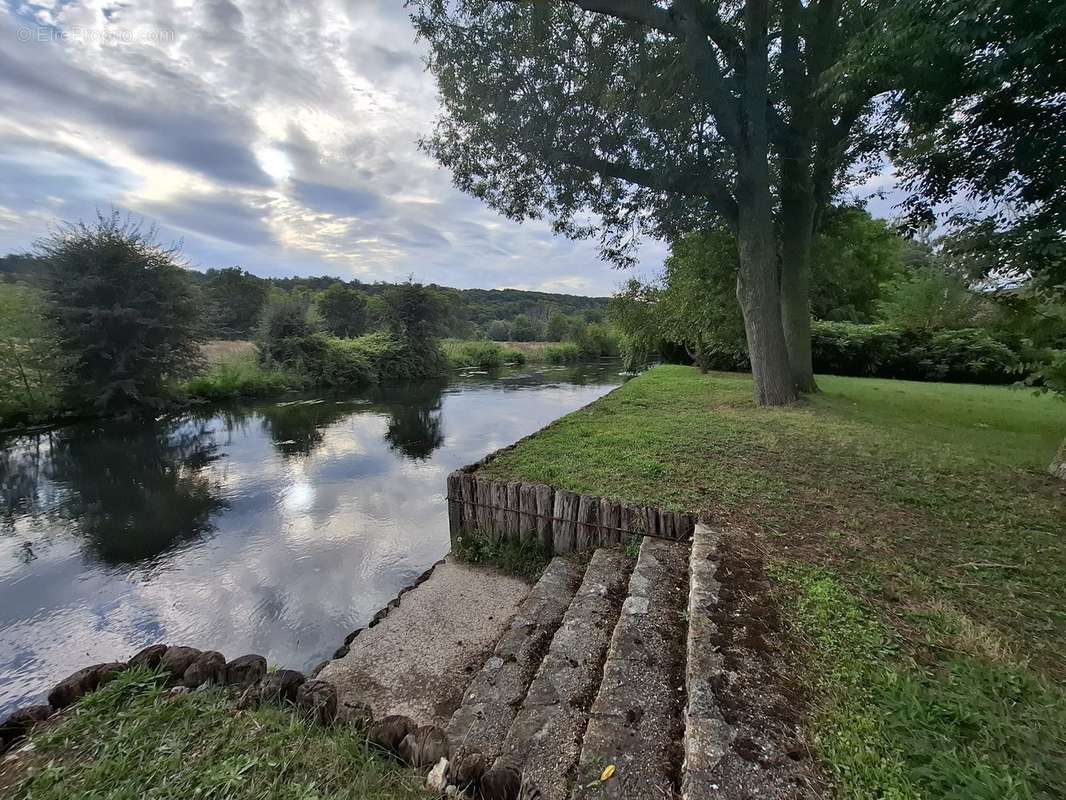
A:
(914, 542)
(129, 740)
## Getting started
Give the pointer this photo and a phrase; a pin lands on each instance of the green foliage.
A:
(979, 115)
(969, 355)
(414, 312)
(129, 740)
(558, 327)
(524, 329)
(342, 310)
(30, 366)
(850, 260)
(235, 299)
(499, 331)
(930, 297)
(486, 355)
(565, 353)
(285, 333)
(124, 312)
(597, 340)
(892, 728)
(240, 375)
(524, 559)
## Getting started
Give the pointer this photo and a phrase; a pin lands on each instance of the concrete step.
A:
(544, 741)
(493, 698)
(707, 735)
(636, 721)
(419, 658)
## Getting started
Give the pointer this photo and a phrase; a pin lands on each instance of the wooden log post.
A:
(499, 510)
(527, 512)
(469, 510)
(544, 527)
(565, 523)
(588, 523)
(513, 501)
(610, 521)
(666, 524)
(484, 507)
(454, 495)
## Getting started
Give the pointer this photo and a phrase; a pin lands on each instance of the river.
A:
(274, 528)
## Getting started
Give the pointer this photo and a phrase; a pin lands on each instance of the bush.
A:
(971, 355)
(564, 353)
(967, 356)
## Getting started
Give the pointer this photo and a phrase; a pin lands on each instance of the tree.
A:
(285, 333)
(415, 312)
(499, 331)
(523, 329)
(979, 117)
(852, 257)
(661, 118)
(235, 299)
(931, 297)
(558, 327)
(342, 310)
(124, 314)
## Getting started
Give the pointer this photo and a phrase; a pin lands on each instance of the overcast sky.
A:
(278, 135)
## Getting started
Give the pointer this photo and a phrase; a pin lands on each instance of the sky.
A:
(277, 135)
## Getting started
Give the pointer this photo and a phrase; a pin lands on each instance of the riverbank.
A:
(909, 536)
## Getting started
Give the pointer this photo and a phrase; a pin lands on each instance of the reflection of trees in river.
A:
(414, 426)
(131, 490)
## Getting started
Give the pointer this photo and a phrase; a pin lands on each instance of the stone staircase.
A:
(609, 664)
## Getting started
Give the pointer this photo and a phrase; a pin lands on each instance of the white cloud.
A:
(277, 135)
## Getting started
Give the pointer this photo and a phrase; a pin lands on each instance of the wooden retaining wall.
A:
(561, 521)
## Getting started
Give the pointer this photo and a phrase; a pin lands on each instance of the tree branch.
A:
(688, 184)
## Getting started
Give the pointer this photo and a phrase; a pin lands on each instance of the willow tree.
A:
(619, 118)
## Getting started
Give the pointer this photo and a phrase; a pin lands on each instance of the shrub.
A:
(564, 353)
(971, 355)
(968, 355)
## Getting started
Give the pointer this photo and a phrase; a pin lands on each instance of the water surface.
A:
(274, 528)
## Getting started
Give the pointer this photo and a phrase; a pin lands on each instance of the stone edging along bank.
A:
(251, 684)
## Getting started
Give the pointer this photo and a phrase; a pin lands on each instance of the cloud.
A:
(280, 135)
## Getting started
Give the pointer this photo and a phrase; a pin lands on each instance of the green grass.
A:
(938, 612)
(890, 726)
(238, 375)
(521, 559)
(129, 741)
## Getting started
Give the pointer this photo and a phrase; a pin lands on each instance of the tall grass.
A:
(482, 354)
(239, 375)
(563, 353)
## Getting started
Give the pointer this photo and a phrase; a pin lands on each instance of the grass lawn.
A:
(916, 546)
(128, 740)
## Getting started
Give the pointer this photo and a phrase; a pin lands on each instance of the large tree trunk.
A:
(1058, 466)
(758, 279)
(759, 294)
(797, 225)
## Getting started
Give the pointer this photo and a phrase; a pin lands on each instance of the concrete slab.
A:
(420, 658)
